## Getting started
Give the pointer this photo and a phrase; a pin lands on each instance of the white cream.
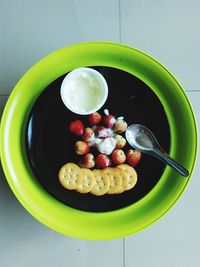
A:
(107, 146)
(84, 91)
(121, 118)
(106, 132)
(94, 140)
(106, 111)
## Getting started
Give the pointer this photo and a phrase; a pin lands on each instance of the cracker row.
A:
(98, 182)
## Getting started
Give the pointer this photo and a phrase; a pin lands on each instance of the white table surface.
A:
(167, 30)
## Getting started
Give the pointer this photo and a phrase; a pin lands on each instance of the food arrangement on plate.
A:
(58, 134)
(105, 167)
(111, 169)
(104, 171)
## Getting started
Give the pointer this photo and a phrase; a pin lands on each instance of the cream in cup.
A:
(84, 91)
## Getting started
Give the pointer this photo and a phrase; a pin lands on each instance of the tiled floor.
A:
(169, 31)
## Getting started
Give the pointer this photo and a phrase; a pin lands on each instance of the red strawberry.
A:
(88, 133)
(133, 157)
(109, 121)
(102, 132)
(118, 156)
(120, 126)
(87, 161)
(76, 127)
(94, 118)
(81, 148)
(102, 161)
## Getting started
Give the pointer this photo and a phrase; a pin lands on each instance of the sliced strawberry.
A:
(102, 161)
(118, 156)
(76, 127)
(133, 157)
(94, 118)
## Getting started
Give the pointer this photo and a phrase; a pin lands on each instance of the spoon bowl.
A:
(141, 138)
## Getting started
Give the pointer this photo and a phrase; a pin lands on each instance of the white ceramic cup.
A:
(84, 91)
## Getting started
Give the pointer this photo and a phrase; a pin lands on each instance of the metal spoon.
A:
(141, 138)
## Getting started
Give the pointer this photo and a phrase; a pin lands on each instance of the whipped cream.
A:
(107, 145)
(104, 145)
(106, 132)
(93, 141)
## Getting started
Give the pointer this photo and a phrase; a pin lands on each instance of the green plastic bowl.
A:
(92, 225)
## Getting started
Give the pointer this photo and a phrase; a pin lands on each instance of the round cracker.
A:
(87, 182)
(125, 181)
(70, 176)
(101, 183)
(132, 175)
(115, 179)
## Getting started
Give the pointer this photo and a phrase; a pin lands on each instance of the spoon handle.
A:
(172, 163)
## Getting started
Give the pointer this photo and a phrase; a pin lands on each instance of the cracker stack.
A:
(98, 182)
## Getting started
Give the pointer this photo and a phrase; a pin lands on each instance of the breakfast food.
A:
(105, 135)
(101, 183)
(120, 141)
(94, 118)
(84, 90)
(115, 180)
(133, 157)
(132, 175)
(109, 121)
(81, 148)
(106, 146)
(102, 161)
(118, 156)
(98, 182)
(87, 181)
(87, 161)
(102, 132)
(120, 125)
(70, 176)
(104, 166)
(76, 127)
(125, 181)
(88, 134)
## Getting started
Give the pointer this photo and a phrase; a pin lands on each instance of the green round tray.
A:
(102, 225)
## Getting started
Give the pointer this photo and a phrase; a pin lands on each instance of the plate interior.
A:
(49, 144)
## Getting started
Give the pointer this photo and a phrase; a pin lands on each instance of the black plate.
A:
(49, 143)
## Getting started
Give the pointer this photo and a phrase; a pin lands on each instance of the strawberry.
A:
(88, 133)
(120, 141)
(102, 161)
(81, 148)
(109, 121)
(120, 126)
(133, 157)
(76, 127)
(88, 161)
(94, 118)
(102, 132)
(118, 156)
